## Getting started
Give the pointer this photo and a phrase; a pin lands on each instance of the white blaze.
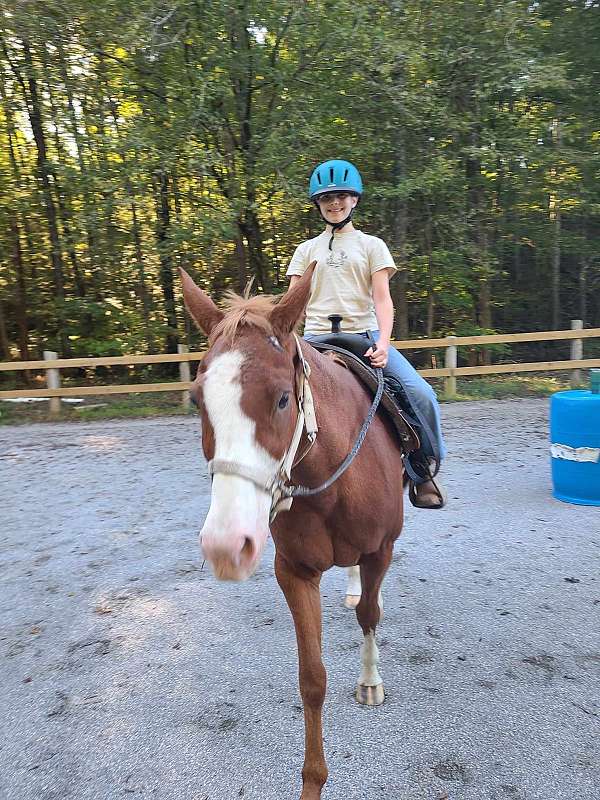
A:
(237, 505)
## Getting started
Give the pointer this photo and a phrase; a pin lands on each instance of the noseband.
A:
(282, 493)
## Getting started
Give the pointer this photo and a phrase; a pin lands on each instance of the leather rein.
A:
(278, 486)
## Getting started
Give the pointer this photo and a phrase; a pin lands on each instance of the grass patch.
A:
(500, 387)
(115, 406)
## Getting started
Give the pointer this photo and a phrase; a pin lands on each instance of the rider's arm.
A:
(384, 307)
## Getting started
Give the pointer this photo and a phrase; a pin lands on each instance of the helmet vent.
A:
(319, 177)
(331, 174)
(345, 175)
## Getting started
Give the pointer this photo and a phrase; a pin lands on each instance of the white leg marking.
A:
(369, 657)
(353, 587)
(354, 590)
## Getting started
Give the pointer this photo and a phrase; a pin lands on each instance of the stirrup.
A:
(441, 493)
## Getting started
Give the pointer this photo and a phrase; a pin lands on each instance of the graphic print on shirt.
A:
(337, 259)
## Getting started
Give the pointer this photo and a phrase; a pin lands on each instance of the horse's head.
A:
(245, 390)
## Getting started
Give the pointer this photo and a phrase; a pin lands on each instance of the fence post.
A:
(450, 381)
(576, 351)
(53, 382)
(184, 375)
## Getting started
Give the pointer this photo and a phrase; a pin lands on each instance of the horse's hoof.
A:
(370, 695)
(351, 600)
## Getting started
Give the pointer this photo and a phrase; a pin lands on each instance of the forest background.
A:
(136, 137)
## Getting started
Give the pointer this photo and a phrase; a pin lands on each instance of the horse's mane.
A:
(239, 311)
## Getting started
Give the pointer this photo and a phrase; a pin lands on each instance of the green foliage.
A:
(501, 350)
(138, 137)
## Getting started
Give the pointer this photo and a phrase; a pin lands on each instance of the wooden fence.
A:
(450, 371)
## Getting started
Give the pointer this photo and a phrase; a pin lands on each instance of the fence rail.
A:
(52, 365)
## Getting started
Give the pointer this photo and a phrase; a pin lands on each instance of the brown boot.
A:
(430, 494)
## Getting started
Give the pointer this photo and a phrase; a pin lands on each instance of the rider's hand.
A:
(378, 356)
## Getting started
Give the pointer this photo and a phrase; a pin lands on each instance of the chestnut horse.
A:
(246, 390)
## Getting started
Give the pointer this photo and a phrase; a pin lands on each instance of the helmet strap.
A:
(335, 226)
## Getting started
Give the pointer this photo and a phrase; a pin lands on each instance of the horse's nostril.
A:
(248, 548)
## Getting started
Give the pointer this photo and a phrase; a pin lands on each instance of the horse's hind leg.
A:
(373, 567)
(353, 587)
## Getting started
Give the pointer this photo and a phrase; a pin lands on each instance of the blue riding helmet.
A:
(335, 175)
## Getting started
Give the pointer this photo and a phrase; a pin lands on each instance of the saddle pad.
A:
(407, 436)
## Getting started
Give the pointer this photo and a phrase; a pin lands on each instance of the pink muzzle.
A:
(232, 555)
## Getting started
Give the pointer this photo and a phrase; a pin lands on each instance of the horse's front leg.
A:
(373, 567)
(304, 599)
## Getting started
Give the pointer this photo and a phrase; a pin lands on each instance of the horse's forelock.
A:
(244, 311)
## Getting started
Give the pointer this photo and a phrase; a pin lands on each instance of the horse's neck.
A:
(328, 370)
(341, 403)
(327, 374)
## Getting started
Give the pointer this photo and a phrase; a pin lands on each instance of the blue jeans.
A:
(420, 395)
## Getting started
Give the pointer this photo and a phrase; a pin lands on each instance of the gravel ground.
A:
(127, 671)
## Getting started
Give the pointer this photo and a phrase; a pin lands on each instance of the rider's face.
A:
(335, 206)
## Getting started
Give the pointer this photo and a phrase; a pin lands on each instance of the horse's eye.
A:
(283, 400)
(196, 396)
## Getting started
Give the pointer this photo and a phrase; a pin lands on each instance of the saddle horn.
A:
(335, 320)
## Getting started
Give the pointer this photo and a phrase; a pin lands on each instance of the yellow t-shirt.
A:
(341, 283)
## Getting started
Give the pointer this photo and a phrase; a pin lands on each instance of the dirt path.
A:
(126, 671)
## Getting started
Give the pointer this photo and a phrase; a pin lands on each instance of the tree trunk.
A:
(430, 287)
(582, 283)
(555, 261)
(143, 293)
(21, 294)
(476, 194)
(4, 345)
(242, 79)
(163, 221)
(63, 194)
(142, 288)
(400, 219)
(34, 110)
(256, 256)
(15, 236)
(85, 195)
(555, 219)
(110, 254)
(399, 284)
(276, 255)
(242, 263)
(25, 187)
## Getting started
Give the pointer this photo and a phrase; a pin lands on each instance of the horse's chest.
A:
(344, 554)
(317, 550)
(312, 548)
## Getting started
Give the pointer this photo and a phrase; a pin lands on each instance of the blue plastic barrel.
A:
(575, 444)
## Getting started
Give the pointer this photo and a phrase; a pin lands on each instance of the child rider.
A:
(352, 279)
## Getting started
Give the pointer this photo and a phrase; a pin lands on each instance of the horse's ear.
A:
(286, 314)
(202, 309)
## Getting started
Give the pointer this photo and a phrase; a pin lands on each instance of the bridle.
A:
(282, 493)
